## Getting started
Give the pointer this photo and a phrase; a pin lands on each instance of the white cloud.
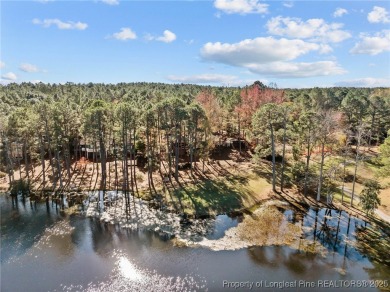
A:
(270, 57)
(28, 68)
(125, 34)
(297, 70)
(372, 45)
(259, 50)
(325, 49)
(288, 4)
(340, 12)
(2, 64)
(203, 78)
(315, 29)
(378, 15)
(167, 37)
(111, 2)
(241, 6)
(365, 82)
(210, 79)
(9, 76)
(60, 24)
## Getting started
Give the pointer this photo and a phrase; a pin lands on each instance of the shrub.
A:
(20, 187)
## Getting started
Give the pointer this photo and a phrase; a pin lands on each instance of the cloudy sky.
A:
(221, 42)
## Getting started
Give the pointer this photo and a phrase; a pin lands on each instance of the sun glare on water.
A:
(129, 271)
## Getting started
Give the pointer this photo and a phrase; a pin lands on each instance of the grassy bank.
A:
(215, 187)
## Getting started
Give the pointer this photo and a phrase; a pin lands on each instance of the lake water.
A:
(45, 250)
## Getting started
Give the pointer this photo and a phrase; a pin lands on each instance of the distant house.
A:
(88, 150)
(236, 144)
(16, 150)
(227, 142)
(183, 148)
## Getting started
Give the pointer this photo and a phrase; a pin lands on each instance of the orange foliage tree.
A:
(252, 98)
(211, 107)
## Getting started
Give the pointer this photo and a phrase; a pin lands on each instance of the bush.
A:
(139, 177)
(298, 175)
(298, 171)
(369, 197)
(140, 146)
(20, 187)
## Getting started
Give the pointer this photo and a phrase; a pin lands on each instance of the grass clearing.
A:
(338, 195)
(223, 194)
(209, 197)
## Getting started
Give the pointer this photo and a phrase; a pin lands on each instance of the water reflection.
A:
(221, 224)
(339, 232)
(22, 224)
(77, 253)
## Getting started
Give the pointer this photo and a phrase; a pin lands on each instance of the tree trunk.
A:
(134, 166)
(273, 157)
(59, 170)
(132, 158)
(354, 175)
(148, 157)
(239, 133)
(372, 128)
(283, 154)
(196, 142)
(125, 169)
(19, 159)
(49, 147)
(203, 160)
(67, 159)
(344, 170)
(115, 165)
(191, 152)
(8, 158)
(75, 149)
(26, 164)
(102, 157)
(307, 165)
(321, 171)
(177, 156)
(169, 155)
(356, 162)
(42, 161)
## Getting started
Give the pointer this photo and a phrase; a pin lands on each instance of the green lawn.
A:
(222, 195)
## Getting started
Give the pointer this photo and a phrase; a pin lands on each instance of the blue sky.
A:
(221, 42)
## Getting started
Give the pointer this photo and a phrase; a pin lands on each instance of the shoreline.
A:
(222, 187)
(294, 199)
(275, 222)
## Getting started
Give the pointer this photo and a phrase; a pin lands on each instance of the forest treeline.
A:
(165, 127)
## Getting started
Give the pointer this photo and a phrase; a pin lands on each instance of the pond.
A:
(43, 249)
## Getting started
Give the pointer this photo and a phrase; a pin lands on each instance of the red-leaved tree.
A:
(252, 98)
(211, 107)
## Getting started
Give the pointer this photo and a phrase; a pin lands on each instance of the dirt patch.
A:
(385, 201)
